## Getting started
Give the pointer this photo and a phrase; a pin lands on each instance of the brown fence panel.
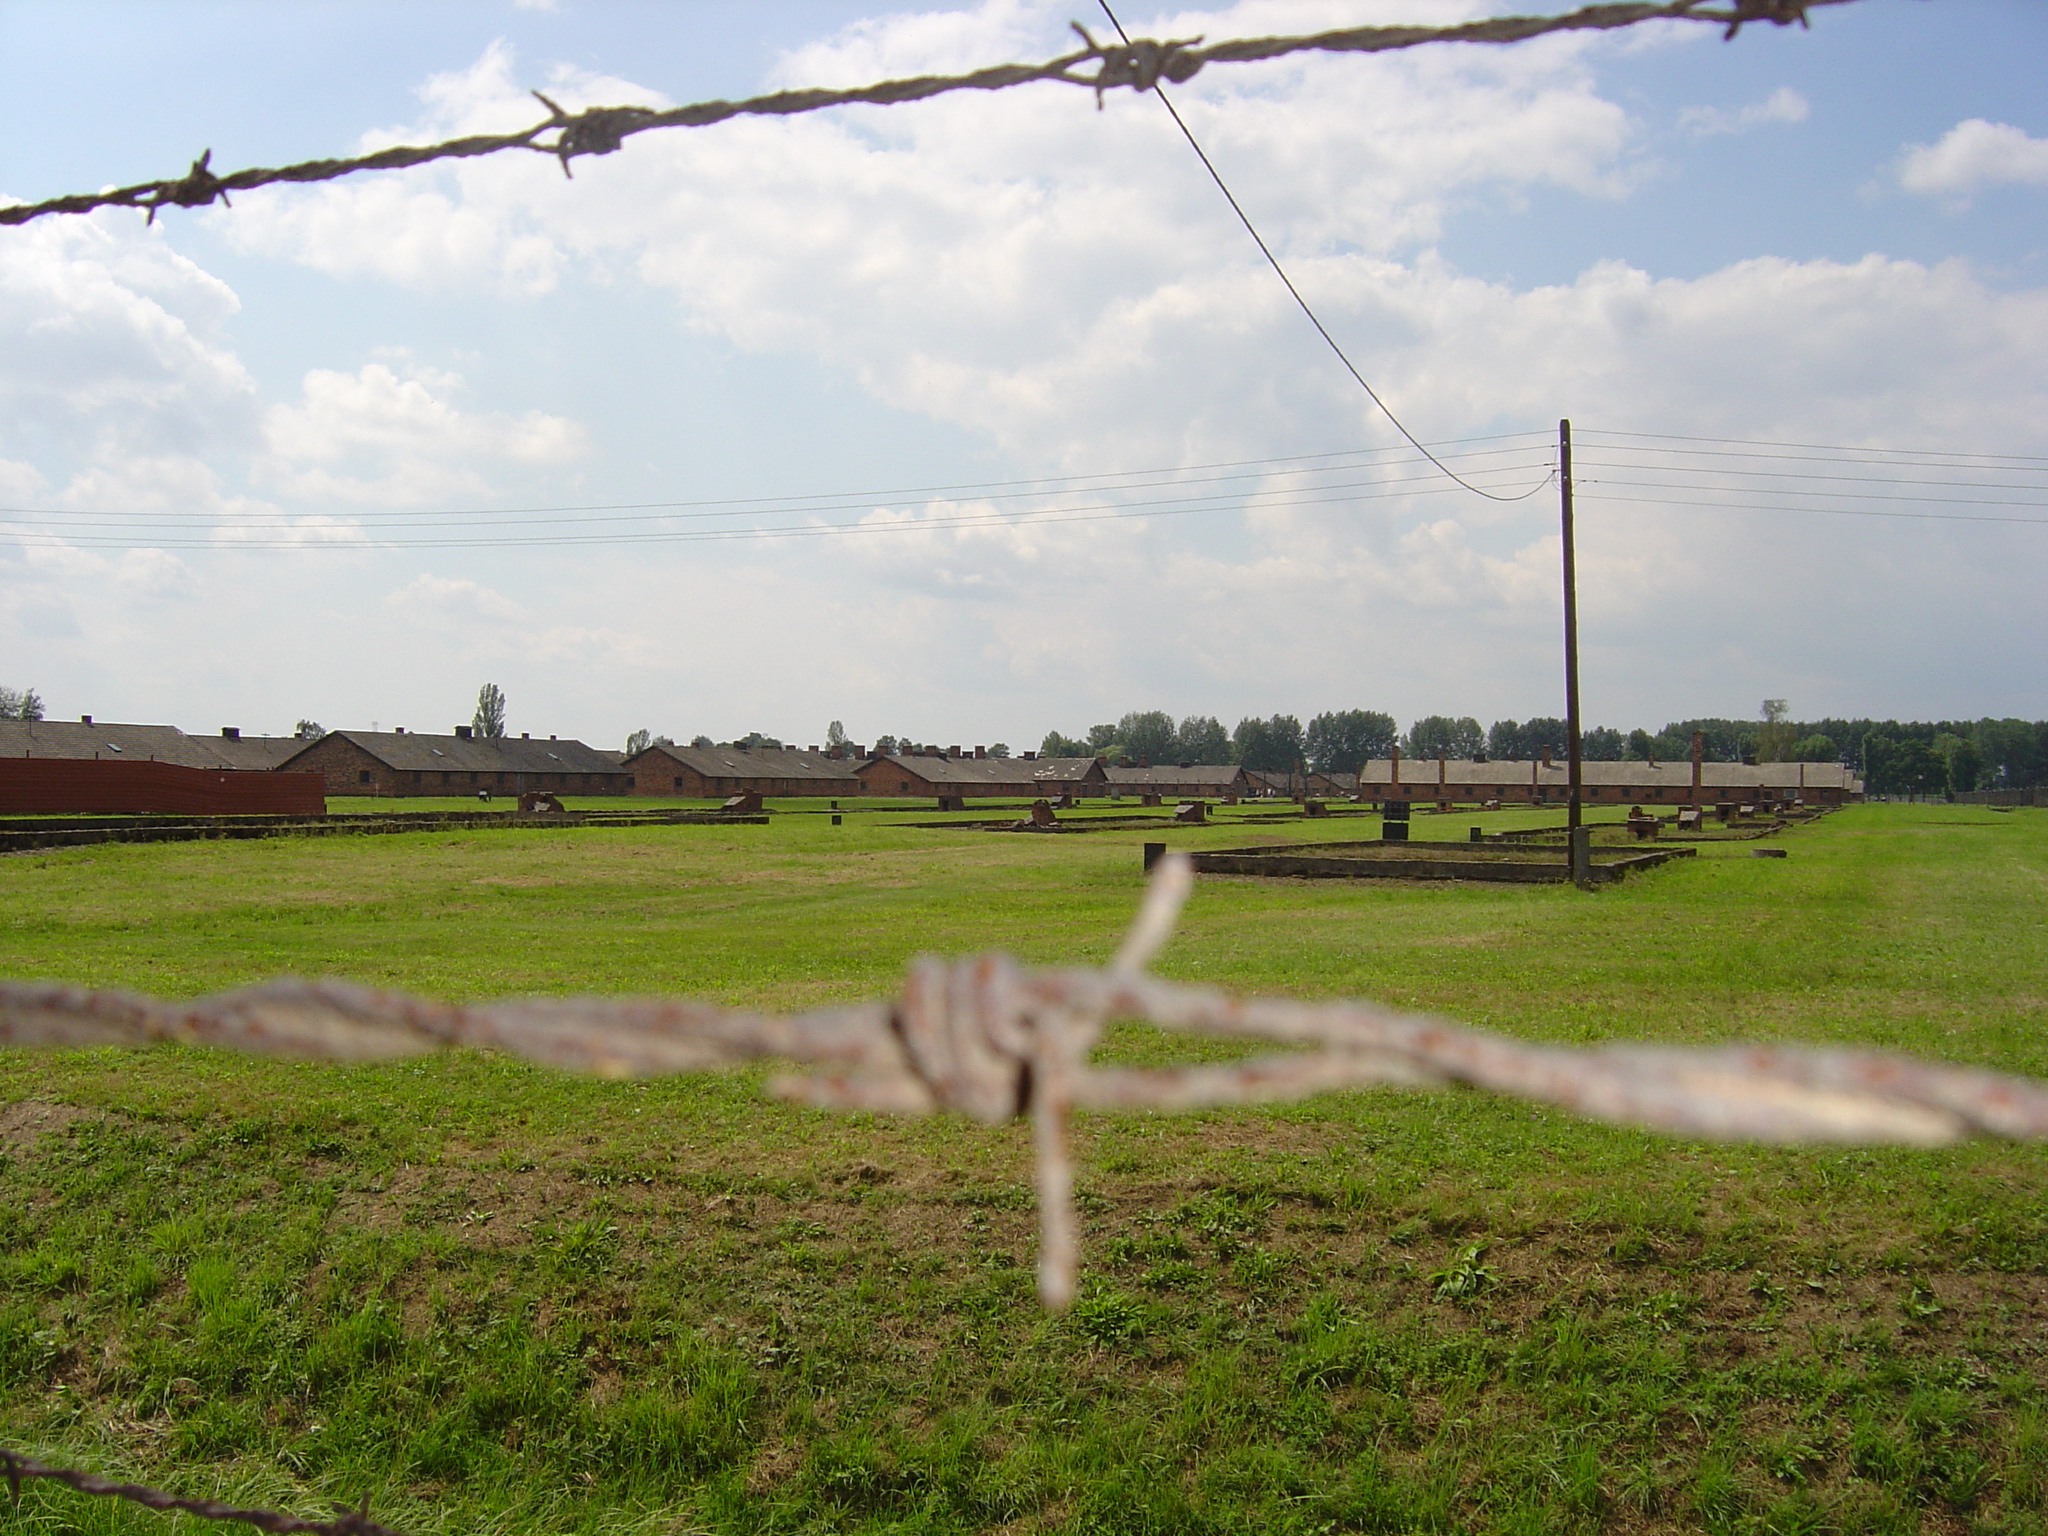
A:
(55, 786)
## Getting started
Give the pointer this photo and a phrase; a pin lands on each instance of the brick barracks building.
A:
(954, 774)
(719, 772)
(404, 763)
(1447, 781)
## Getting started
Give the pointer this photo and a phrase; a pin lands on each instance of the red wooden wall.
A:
(54, 785)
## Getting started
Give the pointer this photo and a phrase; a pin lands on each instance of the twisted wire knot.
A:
(593, 131)
(1140, 64)
(1779, 13)
(195, 189)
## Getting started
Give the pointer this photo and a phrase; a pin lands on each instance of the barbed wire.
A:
(17, 1469)
(986, 1037)
(1139, 64)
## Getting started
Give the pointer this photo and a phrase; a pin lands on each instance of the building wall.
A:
(886, 776)
(655, 773)
(348, 768)
(351, 770)
(61, 786)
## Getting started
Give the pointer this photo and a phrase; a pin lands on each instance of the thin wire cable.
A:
(1723, 506)
(1324, 331)
(49, 539)
(839, 501)
(1762, 442)
(1789, 490)
(1648, 468)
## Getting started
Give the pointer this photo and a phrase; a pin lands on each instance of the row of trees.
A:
(1894, 758)
(1276, 744)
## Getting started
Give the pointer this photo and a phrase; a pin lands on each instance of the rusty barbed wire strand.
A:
(1139, 64)
(988, 1038)
(17, 1469)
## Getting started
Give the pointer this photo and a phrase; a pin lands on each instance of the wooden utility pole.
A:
(1575, 836)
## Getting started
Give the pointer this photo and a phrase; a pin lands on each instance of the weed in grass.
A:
(1106, 1318)
(1920, 1305)
(1464, 1276)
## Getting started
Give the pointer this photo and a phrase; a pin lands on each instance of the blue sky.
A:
(1830, 236)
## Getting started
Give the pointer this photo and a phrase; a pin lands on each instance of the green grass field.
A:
(491, 1298)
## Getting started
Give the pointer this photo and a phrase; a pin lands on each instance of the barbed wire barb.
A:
(350, 1522)
(986, 1037)
(1138, 64)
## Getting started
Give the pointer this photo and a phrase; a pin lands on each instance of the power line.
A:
(1782, 490)
(45, 538)
(1834, 448)
(1723, 506)
(839, 501)
(1321, 329)
(1641, 467)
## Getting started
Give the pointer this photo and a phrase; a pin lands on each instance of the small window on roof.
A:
(112, 748)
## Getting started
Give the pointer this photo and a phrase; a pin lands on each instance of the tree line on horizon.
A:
(1893, 757)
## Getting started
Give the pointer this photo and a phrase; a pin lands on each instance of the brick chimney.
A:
(1396, 755)
(464, 732)
(1546, 757)
(231, 732)
(1699, 747)
(980, 752)
(1030, 757)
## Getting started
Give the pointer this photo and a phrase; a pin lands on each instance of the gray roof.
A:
(1423, 773)
(754, 762)
(257, 751)
(1061, 770)
(1219, 774)
(407, 752)
(969, 770)
(136, 743)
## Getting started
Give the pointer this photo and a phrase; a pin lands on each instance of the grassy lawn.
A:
(488, 1297)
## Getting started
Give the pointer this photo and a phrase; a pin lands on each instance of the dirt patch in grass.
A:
(27, 1121)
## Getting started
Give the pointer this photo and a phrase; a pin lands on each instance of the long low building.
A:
(958, 775)
(86, 739)
(405, 763)
(1179, 781)
(1452, 781)
(719, 772)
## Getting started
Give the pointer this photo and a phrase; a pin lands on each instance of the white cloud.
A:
(1784, 105)
(153, 573)
(1066, 286)
(376, 436)
(1972, 156)
(454, 599)
(109, 342)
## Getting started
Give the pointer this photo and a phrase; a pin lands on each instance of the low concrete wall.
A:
(1457, 862)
